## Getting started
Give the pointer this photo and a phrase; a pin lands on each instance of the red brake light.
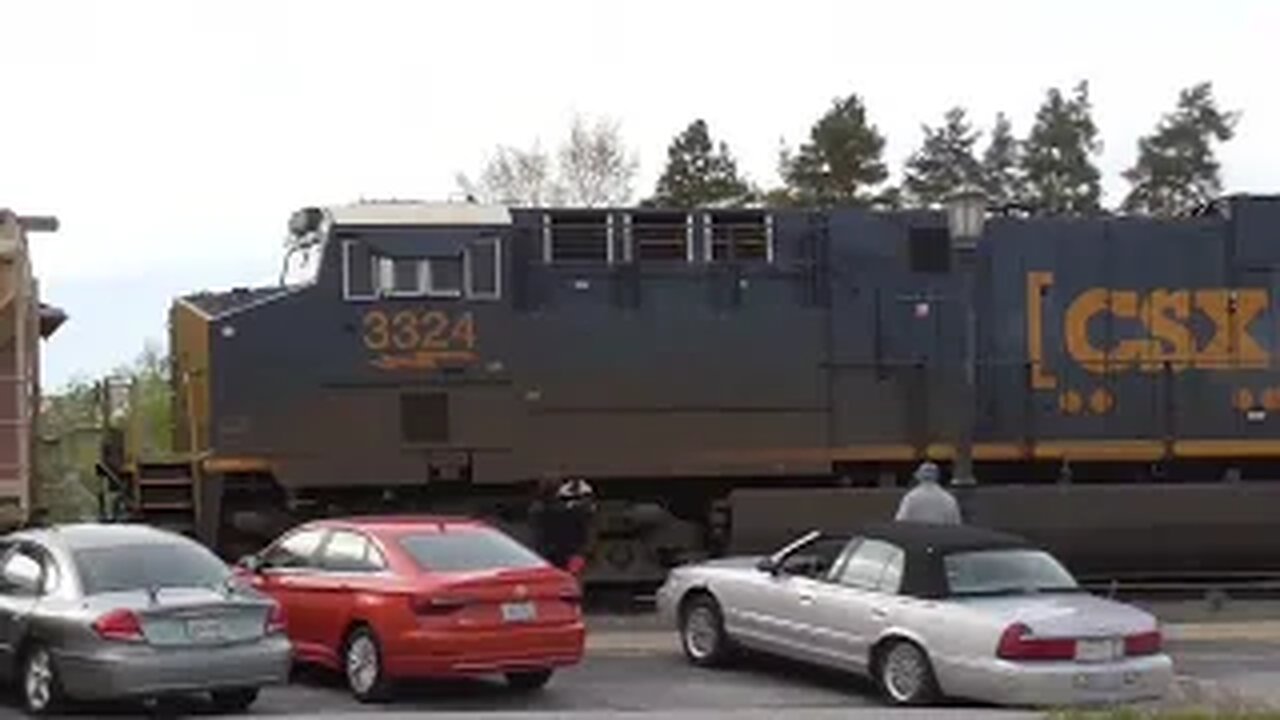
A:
(428, 605)
(121, 625)
(276, 619)
(1015, 645)
(1147, 643)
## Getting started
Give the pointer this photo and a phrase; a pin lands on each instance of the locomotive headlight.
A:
(966, 213)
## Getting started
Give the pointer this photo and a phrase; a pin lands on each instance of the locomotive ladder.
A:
(164, 495)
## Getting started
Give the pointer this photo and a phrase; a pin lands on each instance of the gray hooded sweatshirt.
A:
(928, 501)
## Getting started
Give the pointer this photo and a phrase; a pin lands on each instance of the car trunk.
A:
(1067, 627)
(1064, 614)
(175, 617)
(485, 600)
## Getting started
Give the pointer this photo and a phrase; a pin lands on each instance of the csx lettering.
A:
(1167, 337)
(410, 330)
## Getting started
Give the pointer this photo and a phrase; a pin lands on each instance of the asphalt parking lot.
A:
(640, 673)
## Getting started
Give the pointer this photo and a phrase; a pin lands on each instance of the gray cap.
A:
(927, 472)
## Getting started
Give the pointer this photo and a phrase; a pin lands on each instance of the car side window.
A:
(348, 552)
(295, 551)
(814, 559)
(875, 565)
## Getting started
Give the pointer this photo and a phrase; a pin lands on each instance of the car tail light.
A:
(276, 619)
(1147, 643)
(1016, 645)
(120, 625)
(429, 605)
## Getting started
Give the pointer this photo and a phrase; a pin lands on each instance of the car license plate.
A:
(518, 612)
(1103, 682)
(204, 629)
(1095, 650)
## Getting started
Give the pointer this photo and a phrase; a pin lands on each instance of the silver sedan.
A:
(116, 611)
(928, 611)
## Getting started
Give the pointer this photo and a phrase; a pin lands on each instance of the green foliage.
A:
(699, 172)
(73, 425)
(1001, 179)
(841, 163)
(945, 162)
(1061, 177)
(1176, 169)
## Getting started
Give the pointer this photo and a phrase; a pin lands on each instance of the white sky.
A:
(173, 138)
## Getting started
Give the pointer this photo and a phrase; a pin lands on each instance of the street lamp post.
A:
(966, 213)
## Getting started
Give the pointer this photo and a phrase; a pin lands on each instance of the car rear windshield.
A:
(468, 550)
(141, 566)
(1006, 572)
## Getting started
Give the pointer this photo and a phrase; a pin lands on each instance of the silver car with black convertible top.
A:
(93, 611)
(928, 611)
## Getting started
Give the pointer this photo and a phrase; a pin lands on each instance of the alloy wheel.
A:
(37, 680)
(906, 675)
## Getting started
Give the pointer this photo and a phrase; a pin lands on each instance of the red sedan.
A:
(383, 599)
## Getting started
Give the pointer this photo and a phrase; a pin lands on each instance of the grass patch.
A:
(1134, 714)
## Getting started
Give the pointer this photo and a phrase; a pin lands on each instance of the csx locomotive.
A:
(727, 377)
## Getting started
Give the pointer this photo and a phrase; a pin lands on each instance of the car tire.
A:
(233, 700)
(702, 634)
(905, 674)
(529, 680)
(362, 665)
(38, 684)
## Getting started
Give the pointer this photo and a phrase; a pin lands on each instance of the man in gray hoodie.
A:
(928, 501)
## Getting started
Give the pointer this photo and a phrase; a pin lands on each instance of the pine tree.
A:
(1176, 169)
(698, 172)
(945, 162)
(841, 162)
(1060, 175)
(1001, 180)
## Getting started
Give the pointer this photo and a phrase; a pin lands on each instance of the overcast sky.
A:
(173, 139)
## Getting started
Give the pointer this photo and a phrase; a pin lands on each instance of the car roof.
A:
(78, 536)
(914, 537)
(926, 544)
(399, 523)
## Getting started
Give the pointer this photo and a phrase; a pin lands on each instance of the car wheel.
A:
(236, 700)
(702, 632)
(38, 684)
(529, 680)
(362, 665)
(906, 675)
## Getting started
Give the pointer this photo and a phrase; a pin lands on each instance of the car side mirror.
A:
(767, 565)
(251, 563)
(23, 574)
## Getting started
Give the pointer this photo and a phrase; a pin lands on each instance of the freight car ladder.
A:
(164, 495)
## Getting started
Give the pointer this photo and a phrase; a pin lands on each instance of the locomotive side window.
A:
(444, 276)
(400, 276)
(739, 235)
(483, 270)
(359, 272)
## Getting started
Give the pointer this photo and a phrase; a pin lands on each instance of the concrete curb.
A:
(1254, 630)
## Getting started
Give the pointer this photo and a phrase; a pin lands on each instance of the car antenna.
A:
(1112, 589)
(153, 592)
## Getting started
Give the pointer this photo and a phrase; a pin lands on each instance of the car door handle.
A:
(879, 613)
(806, 598)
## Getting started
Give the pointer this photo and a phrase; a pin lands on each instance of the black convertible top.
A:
(932, 537)
(925, 545)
